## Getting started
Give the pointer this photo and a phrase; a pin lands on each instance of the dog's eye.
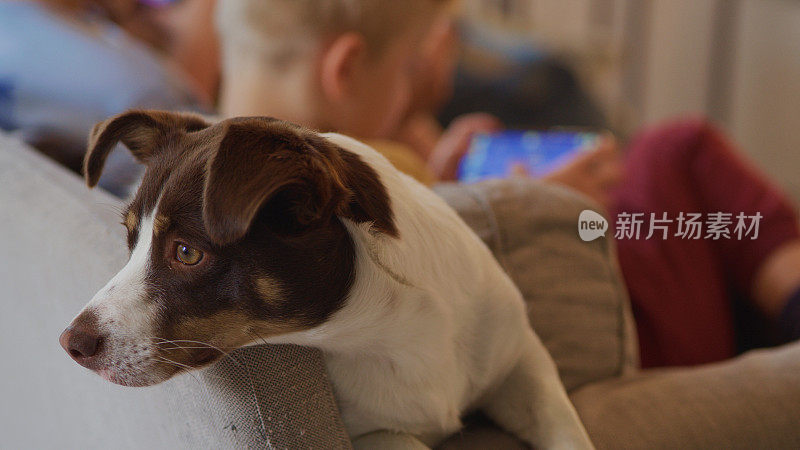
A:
(187, 255)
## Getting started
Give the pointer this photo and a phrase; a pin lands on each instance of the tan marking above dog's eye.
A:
(187, 255)
(160, 224)
(131, 220)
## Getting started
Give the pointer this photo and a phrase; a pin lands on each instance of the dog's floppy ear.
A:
(303, 178)
(142, 131)
(259, 163)
(367, 199)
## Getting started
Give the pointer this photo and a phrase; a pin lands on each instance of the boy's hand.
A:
(455, 140)
(594, 173)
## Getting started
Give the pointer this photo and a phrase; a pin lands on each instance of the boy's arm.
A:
(595, 173)
(455, 140)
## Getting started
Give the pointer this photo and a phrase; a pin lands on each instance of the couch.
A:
(60, 242)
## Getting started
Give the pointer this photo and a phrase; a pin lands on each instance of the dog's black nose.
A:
(82, 345)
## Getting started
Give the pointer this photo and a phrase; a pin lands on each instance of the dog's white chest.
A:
(375, 392)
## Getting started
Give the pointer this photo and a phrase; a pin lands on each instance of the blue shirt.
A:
(60, 75)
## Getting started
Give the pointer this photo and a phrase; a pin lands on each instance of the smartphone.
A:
(537, 152)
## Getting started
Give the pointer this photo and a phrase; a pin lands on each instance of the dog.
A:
(254, 230)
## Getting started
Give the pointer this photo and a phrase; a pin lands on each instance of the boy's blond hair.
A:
(280, 30)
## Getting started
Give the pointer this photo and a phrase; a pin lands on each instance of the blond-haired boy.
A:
(333, 65)
(370, 69)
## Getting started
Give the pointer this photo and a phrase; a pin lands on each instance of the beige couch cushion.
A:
(577, 302)
(749, 402)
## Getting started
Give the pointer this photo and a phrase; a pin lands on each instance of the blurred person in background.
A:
(68, 64)
(283, 60)
(695, 300)
(331, 65)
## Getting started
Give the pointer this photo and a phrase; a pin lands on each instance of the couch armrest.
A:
(59, 243)
(748, 402)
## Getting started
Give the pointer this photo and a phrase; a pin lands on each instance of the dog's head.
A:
(235, 235)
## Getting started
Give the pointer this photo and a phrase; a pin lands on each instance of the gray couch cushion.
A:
(59, 243)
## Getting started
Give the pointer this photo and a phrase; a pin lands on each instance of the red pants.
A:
(681, 289)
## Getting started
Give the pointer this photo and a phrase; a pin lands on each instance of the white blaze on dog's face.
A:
(235, 236)
(122, 301)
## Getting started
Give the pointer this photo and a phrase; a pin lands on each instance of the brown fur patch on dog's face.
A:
(262, 200)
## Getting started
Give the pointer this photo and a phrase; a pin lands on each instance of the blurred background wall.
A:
(735, 61)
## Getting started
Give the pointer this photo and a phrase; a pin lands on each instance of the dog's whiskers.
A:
(263, 340)
(186, 368)
(158, 345)
(177, 347)
(162, 341)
